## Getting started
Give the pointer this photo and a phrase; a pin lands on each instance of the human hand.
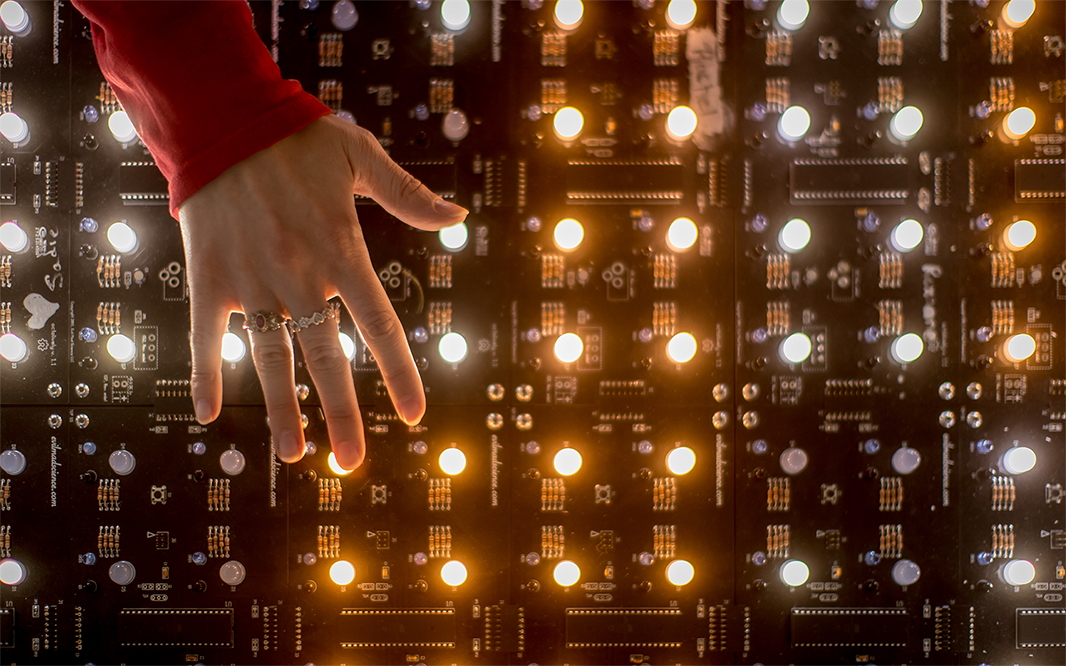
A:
(278, 233)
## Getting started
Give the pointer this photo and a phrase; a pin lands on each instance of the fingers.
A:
(208, 324)
(272, 353)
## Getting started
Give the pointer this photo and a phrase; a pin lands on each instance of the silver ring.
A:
(263, 322)
(330, 312)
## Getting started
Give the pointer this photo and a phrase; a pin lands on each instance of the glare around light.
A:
(568, 14)
(233, 348)
(794, 573)
(567, 461)
(347, 345)
(680, 572)
(569, 347)
(13, 348)
(907, 235)
(568, 123)
(796, 348)
(681, 460)
(12, 572)
(794, 236)
(794, 123)
(792, 14)
(453, 573)
(566, 573)
(907, 348)
(121, 348)
(905, 13)
(681, 123)
(13, 127)
(1018, 460)
(454, 237)
(905, 123)
(1019, 347)
(122, 127)
(452, 347)
(342, 572)
(452, 461)
(13, 238)
(455, 14)
(1019, 235)
(122, 237)
(680, 14)
(335, 466)
(1017, 12)
(681, 348)
(682, 234)
(1019, 572)
(1018, 122)
(14, 17)
(568, 234)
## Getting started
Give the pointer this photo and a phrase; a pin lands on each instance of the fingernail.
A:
(448, 209)
(411, 410)
(288, 448)
(203, 411)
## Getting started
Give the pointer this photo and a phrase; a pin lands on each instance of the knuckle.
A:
(408, 185)
(322, 353)
(342, 414)
(270, 356)
(380, 326)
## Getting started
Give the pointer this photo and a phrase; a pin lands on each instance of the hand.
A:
(278, 233)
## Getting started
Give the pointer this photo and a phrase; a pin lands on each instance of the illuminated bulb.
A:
(681, 460)
(454, 237)
(566, 573)
(681, 348)
(906, 123)
(122, 127)
(680, 14)
(568, 234)
(453, 573)
(13, 348)
(567, 462)
(682, 234)
(14, 128)
(13, 238)
(680, 572)
(568, 14)
(796, 348)
(681, 123)
(12, 572)
(342, 572)
(455, 14)
(1019, 572)
(452, 347)
(1019, 347)
(1019, 460)
(1019, 234)
(907, 235)
(568, 347)
(122, 237)
(121, 348)
(452, 461)
(794, 123)
(347, 345)
(233, 348)
(15, 17)
(1018, 123)
(1017, 12)
(905, 13)
(792, 14)
(794, 573)
(568, 123)
(907, 348)
(794, 235)
(336, 466)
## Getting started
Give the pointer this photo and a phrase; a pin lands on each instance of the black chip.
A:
(849, 627)
(422, 627)
(647, 182)
(1041, 627)
(849, 181)
(438, 175)
(1039, 180)
(142, 184)
(176, 627)
(7, 184)
(7, 627)
(625, 627)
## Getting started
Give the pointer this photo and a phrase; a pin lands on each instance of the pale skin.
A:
(278, 232)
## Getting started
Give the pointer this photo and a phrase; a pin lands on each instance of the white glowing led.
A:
(567, 461)
(566, 573)
(681, 123)
(1018, 572)
(452, 461)
(907, 235)
(905, 13)
(796, 348)
(681, 460)
(335, 466)
(121, 348)
(682, 234)
(13, 348)
(905, 123)
(1018, 122)
(1019, 234)
(794, 123)
(122, 127)
(13, 127)
(342, 572)
(681, 348)
(1017, 12)
(907, 348)
(1018, 460)
(568, 123)
(792, 14)
(454, 237)
(680, 572)
(794, 236)
(794, 573)
(455, 14)
(568, 14)
(1019, 347)
(569, 347)
(452, 347)
(347, 345)
(14, 17)
(13, 238)
(680, 14)
(122, 237)
(11, 572)
(233, 348)
(453, 573)
(568, 234)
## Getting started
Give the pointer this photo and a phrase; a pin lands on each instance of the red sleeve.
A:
(198, 83)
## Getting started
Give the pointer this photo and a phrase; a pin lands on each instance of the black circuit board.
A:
(212, 551)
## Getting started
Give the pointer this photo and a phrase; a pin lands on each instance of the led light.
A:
(794, 573)
(796, 348)
(568, 14)
(566, 573)
(122, 127)
(1017, 12)
(1018, 123)
(1019, 347)
(15, 17)
(455, 14)
(681, 123)
(13, 348)
(1019, 572)
(342, 572)
(792, 14)
(233, 348)
(682, 234)
(13, 238)
(1019, 234)
(335, 466)
(568, 347)
(905, 13)
(453, 573)
(121, 348)
(122, 237)
(567, 461)
(794, 235)
(454, 237)
(906, 123)
(680, 572)
(347, 345)
(568, 123)
(12, 572)
(907, 348)
(681, 348)
(452, 461)
(452, 347)
(568, 234)
(907, 235)
(1018, 460)
(794, 123)
(680, 14)
(14, 128)
(681, 461)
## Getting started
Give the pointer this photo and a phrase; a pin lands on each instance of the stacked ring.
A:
(330, 312)
(263, 322)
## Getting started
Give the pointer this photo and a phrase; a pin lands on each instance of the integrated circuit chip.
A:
(176, 627)
(849, 181)
(850, 627)
(1040, 180)
(1040, 628)
(625, 627)
(412, 627)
